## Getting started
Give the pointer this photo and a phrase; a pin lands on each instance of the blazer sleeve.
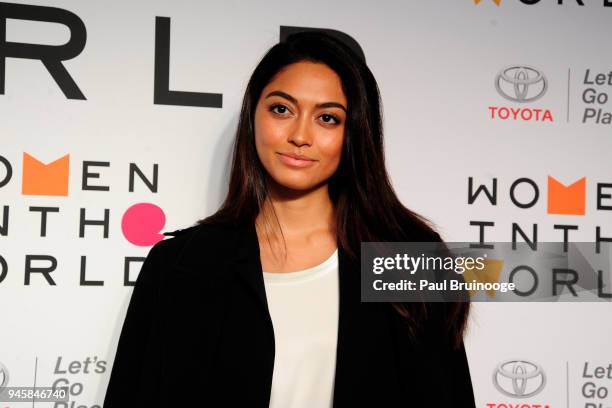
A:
(136, 370)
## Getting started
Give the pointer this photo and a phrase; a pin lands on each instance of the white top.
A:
(304, 310)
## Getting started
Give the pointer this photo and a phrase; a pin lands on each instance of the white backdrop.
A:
(436, 64)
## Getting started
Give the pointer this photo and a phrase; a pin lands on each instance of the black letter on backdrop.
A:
(3, 268)
(45, 271)
(126, 269)
(50, 55)
(162, 93)
(9, 172)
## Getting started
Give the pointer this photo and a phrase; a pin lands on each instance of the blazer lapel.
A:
(247, 265)
(366, 355)
(347, 357)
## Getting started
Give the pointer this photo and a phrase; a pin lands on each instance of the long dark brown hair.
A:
(366, 205)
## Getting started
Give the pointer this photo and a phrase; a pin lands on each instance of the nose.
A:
(301, 133)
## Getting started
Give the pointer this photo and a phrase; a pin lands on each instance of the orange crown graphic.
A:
(45, 179)
(568, 200)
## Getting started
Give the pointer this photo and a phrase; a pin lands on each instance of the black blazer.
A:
(198, 333)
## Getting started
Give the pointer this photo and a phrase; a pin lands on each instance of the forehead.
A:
(307, 80)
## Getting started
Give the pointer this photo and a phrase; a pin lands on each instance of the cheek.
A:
(268, 131)
(331, 149)
(263, 137)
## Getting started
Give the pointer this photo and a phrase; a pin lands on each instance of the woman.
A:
(259, 304)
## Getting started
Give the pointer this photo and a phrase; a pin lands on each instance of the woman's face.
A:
(299, 125)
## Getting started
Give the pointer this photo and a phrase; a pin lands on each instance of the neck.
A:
(299, 213)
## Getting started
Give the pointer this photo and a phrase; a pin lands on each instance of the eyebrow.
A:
(292, 99)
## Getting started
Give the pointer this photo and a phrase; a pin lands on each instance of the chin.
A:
(297, 183)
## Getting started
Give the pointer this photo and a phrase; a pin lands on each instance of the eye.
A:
(279, 109)
(327, 117)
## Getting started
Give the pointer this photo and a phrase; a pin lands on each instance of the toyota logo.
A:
(4, 376)
(521, 84)
(519, 378)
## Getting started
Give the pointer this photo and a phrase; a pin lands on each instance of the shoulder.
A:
(198, 238)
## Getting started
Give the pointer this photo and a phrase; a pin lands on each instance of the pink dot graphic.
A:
(142, 223)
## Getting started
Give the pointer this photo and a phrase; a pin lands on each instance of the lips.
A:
(297, 156)
(296, 160)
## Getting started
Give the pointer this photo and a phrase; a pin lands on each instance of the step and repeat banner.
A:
(117, 121)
